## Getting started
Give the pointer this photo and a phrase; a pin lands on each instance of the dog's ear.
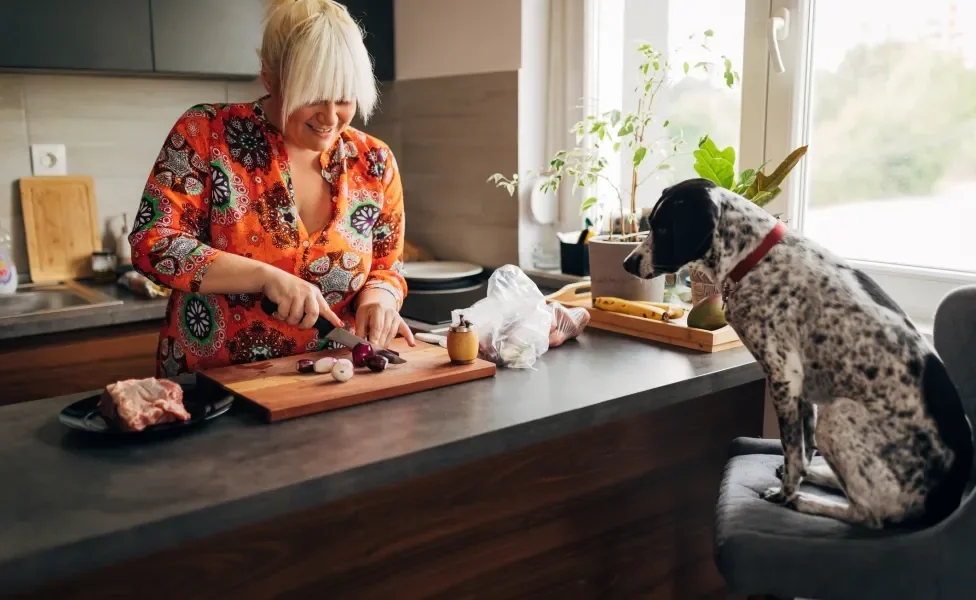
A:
(683, 224)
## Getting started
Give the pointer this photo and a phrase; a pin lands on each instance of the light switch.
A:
(49, 159)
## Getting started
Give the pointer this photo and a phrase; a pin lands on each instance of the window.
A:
(885, 95)
(695, 103)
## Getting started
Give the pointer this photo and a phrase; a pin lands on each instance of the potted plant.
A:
(637, 138)
(718, 166)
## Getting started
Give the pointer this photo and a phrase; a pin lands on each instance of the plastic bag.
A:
(568, 323)
(513, 321)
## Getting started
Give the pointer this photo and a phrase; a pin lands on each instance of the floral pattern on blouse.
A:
(221, 183)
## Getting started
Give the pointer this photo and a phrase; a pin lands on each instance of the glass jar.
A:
(103, 266)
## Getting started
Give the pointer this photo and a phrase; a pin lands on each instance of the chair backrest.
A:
(955, 341)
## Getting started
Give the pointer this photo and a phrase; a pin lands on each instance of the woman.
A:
(278, 198)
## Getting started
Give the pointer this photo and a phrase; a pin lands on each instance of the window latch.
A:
(778, 28)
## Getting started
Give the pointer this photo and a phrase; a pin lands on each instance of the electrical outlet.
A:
(49, 159)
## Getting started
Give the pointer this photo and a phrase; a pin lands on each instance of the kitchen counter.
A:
(73, 504)
(134, 309)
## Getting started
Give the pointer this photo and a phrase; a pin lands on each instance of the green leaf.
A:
(666, 123)
(729, 79)
(687, 67)
(639, 155)
(709, 33)
(762, 198)
(614, 117)
(616, 146)
(704, 169)
(588, 204)
(718, 166)
(708, 145)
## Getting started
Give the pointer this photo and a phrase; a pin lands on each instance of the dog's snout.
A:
(632, 264)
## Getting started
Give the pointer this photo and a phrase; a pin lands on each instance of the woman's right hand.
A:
(299, 302)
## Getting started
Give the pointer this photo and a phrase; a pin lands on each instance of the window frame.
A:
(786, 106)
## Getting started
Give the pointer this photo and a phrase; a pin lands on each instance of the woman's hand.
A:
(299, 302)
(378, 321)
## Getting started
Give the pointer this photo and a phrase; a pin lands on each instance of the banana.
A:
(634, 309)
(674, 312)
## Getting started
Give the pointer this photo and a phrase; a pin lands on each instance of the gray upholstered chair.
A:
(767, 550)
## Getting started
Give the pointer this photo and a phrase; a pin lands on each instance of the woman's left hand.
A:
(378, 321)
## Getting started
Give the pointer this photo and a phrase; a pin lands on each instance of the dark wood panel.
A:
(105, 35)
(619, 511)
(208, 37)
(66, 363)
(376, 19)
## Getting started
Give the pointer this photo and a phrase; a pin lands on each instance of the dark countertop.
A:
(71, 504)
(133, 309)
(136, 309)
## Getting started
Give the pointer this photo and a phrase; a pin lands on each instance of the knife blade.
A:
(336, 334)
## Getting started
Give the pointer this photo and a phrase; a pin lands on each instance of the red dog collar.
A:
(772, 238)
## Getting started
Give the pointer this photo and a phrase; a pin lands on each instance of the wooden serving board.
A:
(61, 226)
(675, 333)
(283, 393)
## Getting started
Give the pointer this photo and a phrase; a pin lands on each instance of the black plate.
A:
(83, 415)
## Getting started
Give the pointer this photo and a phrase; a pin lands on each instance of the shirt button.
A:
(305, 243)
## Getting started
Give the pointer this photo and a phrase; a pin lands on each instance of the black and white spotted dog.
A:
(848, 373)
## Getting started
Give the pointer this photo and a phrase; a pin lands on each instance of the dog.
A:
(848, 373)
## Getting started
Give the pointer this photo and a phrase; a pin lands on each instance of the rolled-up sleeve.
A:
(387, 266)
(170, 236)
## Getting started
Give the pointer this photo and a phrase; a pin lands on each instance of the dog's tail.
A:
(944, 405)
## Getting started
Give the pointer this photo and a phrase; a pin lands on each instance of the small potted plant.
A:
(636, 137)
(718, 166)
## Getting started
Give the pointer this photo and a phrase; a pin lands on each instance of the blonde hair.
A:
(313, 51)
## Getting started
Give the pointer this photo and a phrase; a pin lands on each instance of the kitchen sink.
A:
(39, 299)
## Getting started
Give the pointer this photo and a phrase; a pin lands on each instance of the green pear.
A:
(708, 314)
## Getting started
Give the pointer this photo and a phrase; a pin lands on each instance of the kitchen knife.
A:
(336, 334)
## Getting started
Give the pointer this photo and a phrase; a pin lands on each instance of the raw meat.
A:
(567, 323)
(134, 404)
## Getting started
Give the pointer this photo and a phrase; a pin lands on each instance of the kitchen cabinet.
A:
(207, 37)
(56, 364)
(192, 37)
(376, 17)
(99, 35)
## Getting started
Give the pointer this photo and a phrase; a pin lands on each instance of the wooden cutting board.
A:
(283, 393)
(60, 225)
(676, 333)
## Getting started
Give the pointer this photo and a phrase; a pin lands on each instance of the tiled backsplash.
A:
(454, 133)
(448, 135)
(112, 129)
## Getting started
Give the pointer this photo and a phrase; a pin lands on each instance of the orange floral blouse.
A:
(221, 183)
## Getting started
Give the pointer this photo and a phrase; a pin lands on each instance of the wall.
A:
(441, 38)
(451, 118)
(112, 127)
(456, 105)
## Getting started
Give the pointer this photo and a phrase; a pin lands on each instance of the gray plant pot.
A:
(608, 277)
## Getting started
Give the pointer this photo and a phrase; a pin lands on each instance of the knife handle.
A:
(324, 327)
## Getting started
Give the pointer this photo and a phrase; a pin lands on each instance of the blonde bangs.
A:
(317, 54)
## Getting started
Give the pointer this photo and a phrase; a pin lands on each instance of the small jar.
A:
(103, 266)
(462, 342)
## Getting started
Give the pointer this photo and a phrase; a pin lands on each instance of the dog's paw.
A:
(779, 472)
(774, 495)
